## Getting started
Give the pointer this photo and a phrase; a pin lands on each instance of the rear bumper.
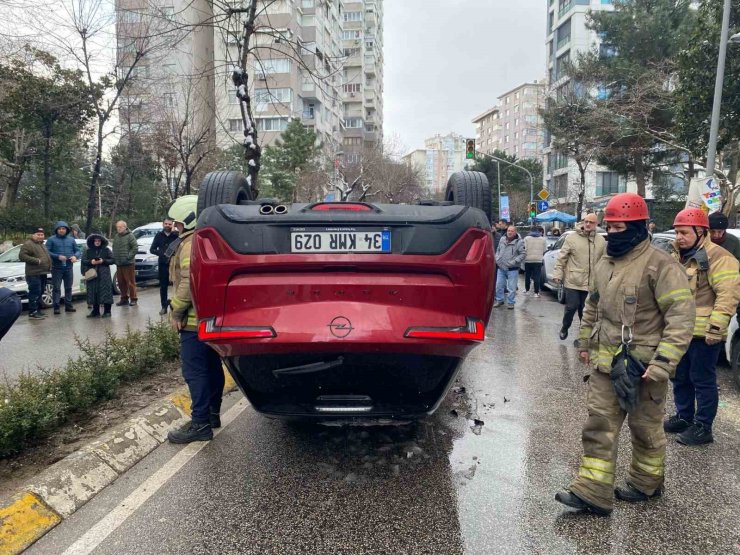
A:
(363, 386)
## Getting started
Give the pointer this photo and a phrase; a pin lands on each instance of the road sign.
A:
(542, 206)
(543, 194)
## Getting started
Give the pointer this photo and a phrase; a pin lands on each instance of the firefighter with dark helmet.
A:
(715, 285)
(201, 365)
(637, 325)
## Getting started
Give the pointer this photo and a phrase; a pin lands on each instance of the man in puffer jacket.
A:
(534, 244)
(574, 268)
(64, 252)
(509, 257)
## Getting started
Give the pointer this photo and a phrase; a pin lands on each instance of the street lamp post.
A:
(719, 81)
(498, 168)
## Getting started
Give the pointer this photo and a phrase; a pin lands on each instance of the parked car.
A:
(147, 264)
(343, 310)
(13, 276)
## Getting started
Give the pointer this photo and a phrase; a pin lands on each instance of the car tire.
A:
(735, 356)
(470, 189)
(561, 294)
(47, 298)
(224, 187)
(116, 291)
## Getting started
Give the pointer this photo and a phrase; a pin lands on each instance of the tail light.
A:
(475, 330)
(347, 206)
(208, 331)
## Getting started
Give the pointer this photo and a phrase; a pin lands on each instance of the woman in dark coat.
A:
(99, 289)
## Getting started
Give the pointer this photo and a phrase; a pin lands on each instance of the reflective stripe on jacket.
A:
(649, 293)
(181, 300)
(715, 283)
(577, 258)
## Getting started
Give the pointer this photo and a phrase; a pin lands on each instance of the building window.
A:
(529, 146)
(307, 3)
(308, 20)
(278, 65)
(506, 138)
(235, 125)
(560, 185)
(264, 97)
(352, 87)
(354, 123)
(352, 16)
(272, 124)
(353, 141)
(608, 183)
(352, 34)
(169, 100)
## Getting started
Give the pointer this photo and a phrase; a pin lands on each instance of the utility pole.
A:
(714, 128)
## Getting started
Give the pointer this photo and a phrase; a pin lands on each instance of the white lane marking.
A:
(105, 527)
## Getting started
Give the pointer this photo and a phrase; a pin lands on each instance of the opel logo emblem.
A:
(340, 327)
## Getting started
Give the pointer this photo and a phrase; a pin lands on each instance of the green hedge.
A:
(36, 404)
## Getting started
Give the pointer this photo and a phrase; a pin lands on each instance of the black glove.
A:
(626, 376)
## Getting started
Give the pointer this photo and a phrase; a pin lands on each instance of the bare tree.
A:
(245, 25)
(569, 117)
(183, 139)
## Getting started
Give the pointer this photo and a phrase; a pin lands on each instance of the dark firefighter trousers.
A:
(595, 480)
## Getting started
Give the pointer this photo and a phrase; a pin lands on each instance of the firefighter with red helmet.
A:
(715, 285)
(637, 325)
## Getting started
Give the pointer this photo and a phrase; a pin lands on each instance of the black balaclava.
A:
(621, 243)
(691, 251)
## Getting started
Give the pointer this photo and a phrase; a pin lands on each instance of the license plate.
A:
(341, 241)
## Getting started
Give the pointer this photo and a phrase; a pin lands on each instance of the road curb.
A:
(64, 487)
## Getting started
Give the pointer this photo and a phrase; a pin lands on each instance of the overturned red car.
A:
(343, 310)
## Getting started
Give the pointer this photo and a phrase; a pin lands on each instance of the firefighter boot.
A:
(631, 494)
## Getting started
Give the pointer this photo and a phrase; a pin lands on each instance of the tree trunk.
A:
(640, 175)
(11, 192)
(94, 178)
(581, 191)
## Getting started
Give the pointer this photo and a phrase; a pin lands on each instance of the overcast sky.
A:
(446, 61)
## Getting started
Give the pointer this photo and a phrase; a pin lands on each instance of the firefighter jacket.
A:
(643, 295)
(715, 284)
(578, 256)
(181, 301)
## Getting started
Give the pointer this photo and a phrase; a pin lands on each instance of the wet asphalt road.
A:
(48, 343)
(446, 485)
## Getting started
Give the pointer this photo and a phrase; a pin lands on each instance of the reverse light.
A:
(473, 331)
(348, 206)
(208, 331)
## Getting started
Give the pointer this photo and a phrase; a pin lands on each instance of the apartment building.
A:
(173, 83)
(317, 60)
(362, 82)
(567, 35)
(335, 86)
(487, 136)
(514, 126)
(441, 156)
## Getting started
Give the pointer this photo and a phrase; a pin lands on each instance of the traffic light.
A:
(470, 149)
(533, 210)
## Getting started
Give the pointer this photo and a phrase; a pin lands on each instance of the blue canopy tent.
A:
(555, 216)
